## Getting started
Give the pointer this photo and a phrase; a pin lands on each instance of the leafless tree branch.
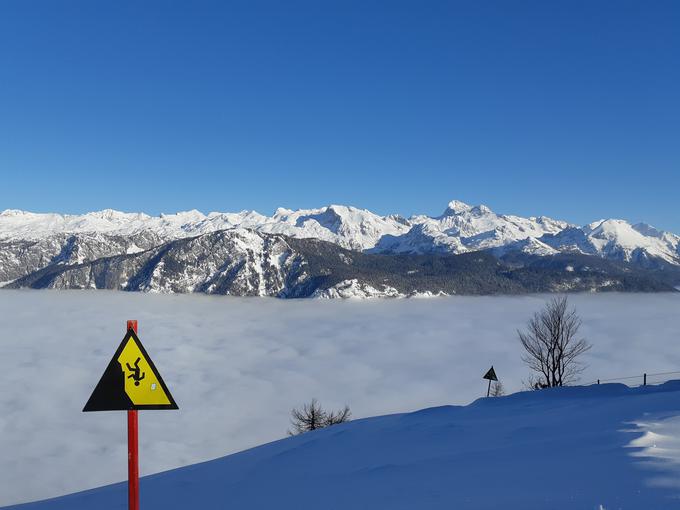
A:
(551, 345)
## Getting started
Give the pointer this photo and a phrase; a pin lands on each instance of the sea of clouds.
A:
(236, 366)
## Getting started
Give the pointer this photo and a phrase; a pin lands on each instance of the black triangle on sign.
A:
(491, 375)
(110, 393)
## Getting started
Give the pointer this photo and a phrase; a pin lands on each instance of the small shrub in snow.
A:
(312, 416)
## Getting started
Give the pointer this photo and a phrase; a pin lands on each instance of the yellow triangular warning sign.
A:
(130, 381)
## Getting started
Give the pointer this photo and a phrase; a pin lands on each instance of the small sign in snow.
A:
(491, 375)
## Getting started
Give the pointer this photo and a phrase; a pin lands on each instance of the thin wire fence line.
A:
(664, 373)
(644, 376)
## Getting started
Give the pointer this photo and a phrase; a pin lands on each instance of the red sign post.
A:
(133, 450)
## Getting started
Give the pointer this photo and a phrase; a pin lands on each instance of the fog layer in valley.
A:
(236, 366)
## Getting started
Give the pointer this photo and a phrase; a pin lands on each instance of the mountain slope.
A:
(618, 240)
(247, 263)
(238, 261)
(582, 447)
(19, 257)
(464, 228)
(349, 227)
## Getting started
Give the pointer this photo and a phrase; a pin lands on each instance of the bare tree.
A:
(341, 416)
(497, 389)
(551, 346)
(312, 416)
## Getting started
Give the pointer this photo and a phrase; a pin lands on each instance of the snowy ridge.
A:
(617, 238)
(460, 228)
(348, 227)
(15, 225)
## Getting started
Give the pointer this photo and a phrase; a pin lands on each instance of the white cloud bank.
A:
(236, 366)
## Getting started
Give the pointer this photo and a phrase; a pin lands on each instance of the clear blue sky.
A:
(570, 109)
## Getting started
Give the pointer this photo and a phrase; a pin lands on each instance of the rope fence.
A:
(644, 379)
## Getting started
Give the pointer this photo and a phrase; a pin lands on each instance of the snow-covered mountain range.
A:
(34, 245)
(349, 227)
(461, 228)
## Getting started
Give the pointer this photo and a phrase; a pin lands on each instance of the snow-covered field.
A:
(236, 367)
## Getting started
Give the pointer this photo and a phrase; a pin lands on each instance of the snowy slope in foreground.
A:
(567, 448)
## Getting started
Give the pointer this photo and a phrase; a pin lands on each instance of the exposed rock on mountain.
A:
(247, 263)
